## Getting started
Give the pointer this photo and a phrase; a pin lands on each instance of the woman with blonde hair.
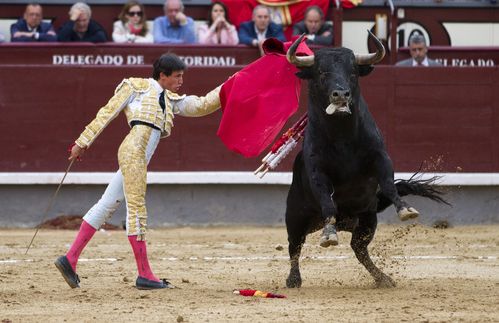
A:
(132, 25)
(218, 30)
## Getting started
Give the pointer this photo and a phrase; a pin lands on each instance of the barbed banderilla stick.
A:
(282, 147)
(50, 204)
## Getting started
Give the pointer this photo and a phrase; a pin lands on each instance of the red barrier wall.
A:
(446, 114)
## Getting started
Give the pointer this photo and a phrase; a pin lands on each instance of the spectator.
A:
(31, 28)
(318, 32)
(2, 38)
(80, 27)
(218, 29)
(132, 25)
(254, 32)
(174, 27)
(418, 50)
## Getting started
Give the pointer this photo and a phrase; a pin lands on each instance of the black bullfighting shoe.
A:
(144, 283)
(62, 263)
(329, 236)
(407, 213)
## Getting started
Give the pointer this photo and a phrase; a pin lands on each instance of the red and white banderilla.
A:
(282, 147)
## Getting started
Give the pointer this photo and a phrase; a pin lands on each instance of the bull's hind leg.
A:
(362, 235)
(384, 169)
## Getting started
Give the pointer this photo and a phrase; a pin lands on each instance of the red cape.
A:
(258, 100)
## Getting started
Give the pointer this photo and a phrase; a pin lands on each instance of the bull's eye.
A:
(323, 77)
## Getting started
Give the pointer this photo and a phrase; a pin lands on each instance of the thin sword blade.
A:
(49, 205)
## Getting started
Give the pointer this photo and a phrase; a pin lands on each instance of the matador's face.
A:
(172, 82)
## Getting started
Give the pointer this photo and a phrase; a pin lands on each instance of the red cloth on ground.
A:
(258, 293)
(140, 252)
(258, 100)
(82, 238)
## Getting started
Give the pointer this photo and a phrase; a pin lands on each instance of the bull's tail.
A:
(419, 187)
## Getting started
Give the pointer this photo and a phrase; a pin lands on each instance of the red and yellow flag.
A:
(348, 4)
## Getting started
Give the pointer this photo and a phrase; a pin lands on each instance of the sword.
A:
(50, 204)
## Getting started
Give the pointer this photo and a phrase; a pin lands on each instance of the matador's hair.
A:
(167, 63)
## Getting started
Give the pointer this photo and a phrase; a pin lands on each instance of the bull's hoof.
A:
(407, 213)
(329, 236)
(330, 240)
(293, 282)
(385, 282)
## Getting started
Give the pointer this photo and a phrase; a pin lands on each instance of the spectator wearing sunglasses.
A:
(132, 25)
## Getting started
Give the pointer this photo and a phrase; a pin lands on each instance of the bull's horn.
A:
(372, 58)
(299, 61)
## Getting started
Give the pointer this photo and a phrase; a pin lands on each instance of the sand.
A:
(442, 275)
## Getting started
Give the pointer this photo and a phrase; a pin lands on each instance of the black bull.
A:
(343, 176)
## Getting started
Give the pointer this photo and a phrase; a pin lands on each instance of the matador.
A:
(149, 105)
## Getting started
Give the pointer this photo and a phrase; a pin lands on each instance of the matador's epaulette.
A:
(174, 96)
(137, 84)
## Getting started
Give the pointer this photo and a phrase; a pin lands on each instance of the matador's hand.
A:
(75, 152)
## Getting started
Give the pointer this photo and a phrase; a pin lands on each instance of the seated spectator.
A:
(254, 32)
(317, 32)
(132, 25)
(418, 50)
(218, 29)
(80, 28)
(174, 27)
(31, 28)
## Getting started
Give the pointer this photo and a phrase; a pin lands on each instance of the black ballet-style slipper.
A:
(145, 284)
(62, 263)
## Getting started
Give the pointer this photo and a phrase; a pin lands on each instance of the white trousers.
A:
(114, 193)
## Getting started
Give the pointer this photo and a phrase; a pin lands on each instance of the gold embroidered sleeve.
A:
(198, 106)
(105, 115)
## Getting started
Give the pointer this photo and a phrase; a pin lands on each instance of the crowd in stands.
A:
(174, 27)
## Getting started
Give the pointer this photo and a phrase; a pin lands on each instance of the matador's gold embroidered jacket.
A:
(139, 98)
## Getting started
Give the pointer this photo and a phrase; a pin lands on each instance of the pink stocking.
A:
(140, 252)
(82, 238)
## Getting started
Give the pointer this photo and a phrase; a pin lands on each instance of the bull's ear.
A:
(365, 69)
(305, 73)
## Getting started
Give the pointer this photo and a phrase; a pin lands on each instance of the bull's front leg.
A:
(384, 171)
(323, 190)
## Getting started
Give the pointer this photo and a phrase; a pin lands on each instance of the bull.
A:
(343, 176)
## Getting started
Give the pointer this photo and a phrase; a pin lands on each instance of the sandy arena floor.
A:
(443, 275)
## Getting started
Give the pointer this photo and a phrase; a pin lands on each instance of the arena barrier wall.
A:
(443, 119)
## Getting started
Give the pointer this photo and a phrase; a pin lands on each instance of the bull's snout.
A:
(339, 101)
(339, 95)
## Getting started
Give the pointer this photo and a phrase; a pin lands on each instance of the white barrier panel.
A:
(277, 178)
